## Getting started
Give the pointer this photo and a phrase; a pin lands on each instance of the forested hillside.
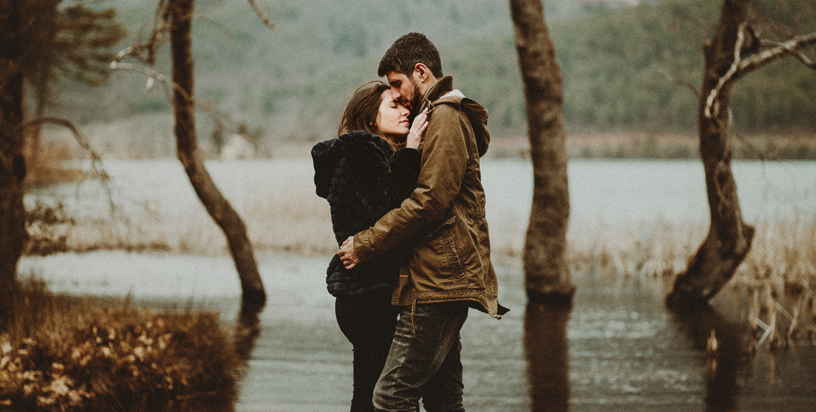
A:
(619, 64)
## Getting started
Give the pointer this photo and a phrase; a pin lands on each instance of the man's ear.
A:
(421, 72)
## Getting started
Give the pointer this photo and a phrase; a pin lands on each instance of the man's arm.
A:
(444, 162)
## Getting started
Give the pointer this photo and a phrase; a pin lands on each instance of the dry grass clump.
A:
(48, 167)
(47, 227)
(281, 213)
(778, 275)
(660, 250)
(644, 145)
(69, 355)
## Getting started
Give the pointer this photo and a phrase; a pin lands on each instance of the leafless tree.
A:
(547, 275)
(180, 14)
(735, 50)
(12, 163)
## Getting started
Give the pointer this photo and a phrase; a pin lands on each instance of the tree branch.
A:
(790, 47)
(680, 82)
(84, 143)
(266, 21)
(153, 74)
(711, 103)
(741, 67)
(160, 26)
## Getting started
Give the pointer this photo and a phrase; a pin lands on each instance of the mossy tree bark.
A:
(12, 163)
(729, 238)
(217, 206)
(547, 276)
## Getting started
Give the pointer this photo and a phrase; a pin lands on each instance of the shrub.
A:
(67, 354)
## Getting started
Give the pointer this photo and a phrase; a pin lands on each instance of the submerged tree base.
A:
(552, 299)
(70, 354)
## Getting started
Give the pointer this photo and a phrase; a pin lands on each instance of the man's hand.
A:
(347, 255)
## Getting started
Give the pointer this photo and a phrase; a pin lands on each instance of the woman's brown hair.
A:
(361, 111)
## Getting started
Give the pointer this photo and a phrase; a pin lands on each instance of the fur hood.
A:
(362, 178)
(330, 155)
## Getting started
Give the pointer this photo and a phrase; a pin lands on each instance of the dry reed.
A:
(48, 167)
(68, 354)
(778, 276)
(282, 213)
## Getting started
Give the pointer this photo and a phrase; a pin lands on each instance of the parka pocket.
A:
(443, 253)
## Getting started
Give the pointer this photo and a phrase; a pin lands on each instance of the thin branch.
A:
(212, 112)
(762, 155)
(152, 73)
(266, 21)
(160, 26)
(741, 67)
(84, 143)
(790, 47)
(221, 28)
(680, 81)
(712, 97)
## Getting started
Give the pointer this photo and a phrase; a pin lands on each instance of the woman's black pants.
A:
(368, 322)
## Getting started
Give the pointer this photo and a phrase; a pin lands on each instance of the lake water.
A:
(618, 348)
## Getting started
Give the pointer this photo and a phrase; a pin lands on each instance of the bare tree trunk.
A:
(547, 275)
(219, 208)
(47, 33)
(729, 238)
(42, 92)
(12, 163)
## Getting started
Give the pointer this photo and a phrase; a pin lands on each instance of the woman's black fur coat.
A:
(363, 178)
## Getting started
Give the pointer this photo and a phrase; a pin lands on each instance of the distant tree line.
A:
(621, 67)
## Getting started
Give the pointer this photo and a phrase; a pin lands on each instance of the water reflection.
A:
(247, 330)
(547, 352)
(725, 349)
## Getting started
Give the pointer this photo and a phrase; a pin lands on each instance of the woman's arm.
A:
(405, 166)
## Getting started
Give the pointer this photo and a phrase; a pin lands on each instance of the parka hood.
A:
(442, 92)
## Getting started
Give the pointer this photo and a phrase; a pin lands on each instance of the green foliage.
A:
(618, 69)
(84, 42)
(73, 42)
(154, 104)
(619, 65)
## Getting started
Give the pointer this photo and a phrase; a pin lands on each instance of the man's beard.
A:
(416, 101)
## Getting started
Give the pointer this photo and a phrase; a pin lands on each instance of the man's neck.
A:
(427, 85)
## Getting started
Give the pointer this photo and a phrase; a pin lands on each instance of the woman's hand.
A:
(417, 128)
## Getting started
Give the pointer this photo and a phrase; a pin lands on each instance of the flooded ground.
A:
(155, 206)
(616, 349)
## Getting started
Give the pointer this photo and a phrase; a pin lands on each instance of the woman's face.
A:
(392, 117)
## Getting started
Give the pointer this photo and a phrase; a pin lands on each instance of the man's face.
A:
(404, 90)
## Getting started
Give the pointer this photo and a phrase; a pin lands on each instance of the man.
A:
(449, 268)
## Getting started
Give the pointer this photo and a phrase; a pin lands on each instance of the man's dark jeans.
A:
(424, 360)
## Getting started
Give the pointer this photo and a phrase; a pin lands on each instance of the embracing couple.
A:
(408, 212)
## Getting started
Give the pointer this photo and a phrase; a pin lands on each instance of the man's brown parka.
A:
(443, 221)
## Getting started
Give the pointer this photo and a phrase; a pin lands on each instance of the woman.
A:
(368, 170)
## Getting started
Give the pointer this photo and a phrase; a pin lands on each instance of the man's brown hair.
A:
(406, 52)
